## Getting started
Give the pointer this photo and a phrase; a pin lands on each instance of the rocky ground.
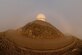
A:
(7, 47)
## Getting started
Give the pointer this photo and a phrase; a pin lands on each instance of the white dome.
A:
(41, 17)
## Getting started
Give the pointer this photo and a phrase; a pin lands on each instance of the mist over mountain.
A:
(66, 15)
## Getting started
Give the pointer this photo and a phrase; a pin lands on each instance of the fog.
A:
(66, 15)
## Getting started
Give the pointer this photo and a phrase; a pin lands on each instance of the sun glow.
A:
(41, 17)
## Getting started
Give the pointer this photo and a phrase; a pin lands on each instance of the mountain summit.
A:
(42, 30)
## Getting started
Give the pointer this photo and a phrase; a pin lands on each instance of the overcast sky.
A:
(66, 15)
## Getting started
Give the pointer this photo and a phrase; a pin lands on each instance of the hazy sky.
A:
(66, 15)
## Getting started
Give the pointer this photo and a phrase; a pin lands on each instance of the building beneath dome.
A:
(38, 38)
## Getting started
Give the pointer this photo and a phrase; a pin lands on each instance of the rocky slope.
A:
(15, 42)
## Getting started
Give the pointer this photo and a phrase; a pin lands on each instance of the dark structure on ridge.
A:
(38, 38)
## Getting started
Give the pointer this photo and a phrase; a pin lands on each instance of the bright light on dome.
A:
(41, 17)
